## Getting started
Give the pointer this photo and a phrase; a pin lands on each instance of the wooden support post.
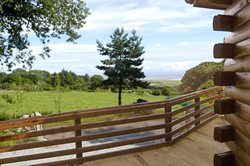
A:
(224, 23)
(224, 106)
(168, 119)
(224, 159)
(224, 50)
(196, 109)
(224, 133)
(78, 133)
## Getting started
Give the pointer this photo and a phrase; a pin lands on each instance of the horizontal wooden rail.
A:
(163, 123)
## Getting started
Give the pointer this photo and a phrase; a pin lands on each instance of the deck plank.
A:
(196, 149)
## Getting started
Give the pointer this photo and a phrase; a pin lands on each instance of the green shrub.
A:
(156, 92)
(166, 91)
(8, 98)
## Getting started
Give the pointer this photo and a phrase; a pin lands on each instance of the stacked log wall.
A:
(236, 79)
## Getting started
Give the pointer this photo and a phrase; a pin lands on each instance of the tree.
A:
(123, 65)
(45, 18)
(96, 81)
(166, 91)
(199, 75)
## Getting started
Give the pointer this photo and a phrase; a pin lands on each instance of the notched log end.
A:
(225, 78)
(224, 159)
(224, 50)
(224, 106)
(224, 23)
(224, 133)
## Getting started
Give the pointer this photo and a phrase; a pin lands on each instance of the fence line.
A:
(174, 126)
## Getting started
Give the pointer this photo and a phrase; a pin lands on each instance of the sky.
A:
(176, 37)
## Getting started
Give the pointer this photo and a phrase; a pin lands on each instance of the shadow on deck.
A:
(196, 149)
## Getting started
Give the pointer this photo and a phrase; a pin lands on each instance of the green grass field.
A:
(162, 83)
(70, 101)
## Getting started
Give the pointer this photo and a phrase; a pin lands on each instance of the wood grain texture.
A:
(212, 4)
(242, 110)
(238, 64)
(239, 123)
(242, 141)
(242, 80)
(243, 15)
(239, 94)
(239, 153)
(236, 6)
(240, 34)
(197, 149)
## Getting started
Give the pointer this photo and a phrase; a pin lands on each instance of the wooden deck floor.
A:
(197, 149)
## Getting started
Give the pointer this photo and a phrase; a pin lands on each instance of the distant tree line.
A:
(43, 80)
(39, 80)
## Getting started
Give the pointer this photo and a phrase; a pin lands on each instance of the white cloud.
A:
(184, 43)
(158, 45)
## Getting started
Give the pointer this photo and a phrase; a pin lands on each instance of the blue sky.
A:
(176, 36)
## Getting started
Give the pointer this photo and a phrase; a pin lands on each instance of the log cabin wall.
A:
(236, 79)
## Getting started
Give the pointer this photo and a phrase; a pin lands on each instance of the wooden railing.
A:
(159, 129)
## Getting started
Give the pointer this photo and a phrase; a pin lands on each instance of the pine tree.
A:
(123, 67)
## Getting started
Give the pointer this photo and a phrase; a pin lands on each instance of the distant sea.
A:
(163, 77)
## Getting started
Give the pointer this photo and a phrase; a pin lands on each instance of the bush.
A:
(156, 92)
(166, 91)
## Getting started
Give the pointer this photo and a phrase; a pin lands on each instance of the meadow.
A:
(44, 102)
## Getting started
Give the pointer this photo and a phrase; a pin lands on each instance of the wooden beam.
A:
(243, 15)
(242, 140)
(242, 80)
(242, 49)
(238, 65)
(240, 34)
(224, 159)
(239, 123)
(211, 4)
(224, 106)
(242, 110)
(243, 157)
(224, 23)
(224, 50)
(239, 94)
(224, 78)
(78, 133)
(224, 133)
(235, 7)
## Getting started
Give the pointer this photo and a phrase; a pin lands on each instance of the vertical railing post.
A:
(196, 109)
(168, 119)
(78, 133)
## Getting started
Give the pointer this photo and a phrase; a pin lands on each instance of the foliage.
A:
(45, 18)
(96, 81)
(206, 85)
(19, 101)
(166, 91)
(8, 98)
(123, 64)
(156, 92)
(198, 75)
